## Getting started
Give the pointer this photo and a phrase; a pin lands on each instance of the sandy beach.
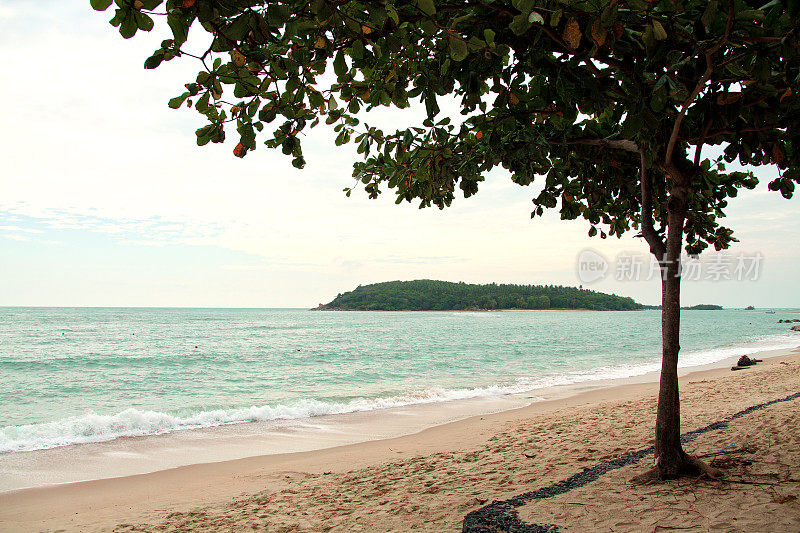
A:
(431, 479)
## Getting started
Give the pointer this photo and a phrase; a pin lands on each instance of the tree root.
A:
(690, 466)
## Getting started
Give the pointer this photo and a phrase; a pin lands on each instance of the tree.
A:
(612, 102)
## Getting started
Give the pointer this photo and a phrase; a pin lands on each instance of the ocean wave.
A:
(763, 343)
(686, 360)
(94, 427)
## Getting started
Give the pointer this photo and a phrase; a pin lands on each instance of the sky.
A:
(105, 200)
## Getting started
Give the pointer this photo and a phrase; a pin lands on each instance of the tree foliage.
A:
(583, 93)
(432, 295)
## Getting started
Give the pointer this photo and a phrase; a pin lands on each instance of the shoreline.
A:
(101, 503)
(138, 455)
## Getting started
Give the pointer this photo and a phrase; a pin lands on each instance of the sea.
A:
(70, 376)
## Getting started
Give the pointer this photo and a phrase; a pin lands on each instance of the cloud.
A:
(16, 237)
(20, 229)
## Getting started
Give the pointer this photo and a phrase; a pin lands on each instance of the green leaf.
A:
(176, 102)
(238, 28)
(609, 15)
(128, 27)
(556, 18)
(277, 14)
(358, 50)
(488, 35)
(153, 61)
(659, 100)
(427, 6)
(248, 135)
(431, 107)
(179, 27)
(392, 12)
(631, 126)
(708, 14)
(119, 16)
(202, 102)
(649, 37)
(144, 22)
(658, 31)
(428, 26)
(289, 144)
(267, 113)
(339, 64)
(519, 24)
(204, 134)
(524, 6)
(100, 5)
(751, 14)
(458, 47)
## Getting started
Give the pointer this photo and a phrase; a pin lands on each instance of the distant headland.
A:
(698, 307)
(432, 295)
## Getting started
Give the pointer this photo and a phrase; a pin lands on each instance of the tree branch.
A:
(673, 139)
(620, 144)
(657, 246)
(732, 132)
(699, 148)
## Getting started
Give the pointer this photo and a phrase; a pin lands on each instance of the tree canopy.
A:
(433, 295)
(585, 93)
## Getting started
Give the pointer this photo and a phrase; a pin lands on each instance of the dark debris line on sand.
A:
(502, 517)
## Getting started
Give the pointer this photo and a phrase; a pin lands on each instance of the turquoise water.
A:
(70, 375)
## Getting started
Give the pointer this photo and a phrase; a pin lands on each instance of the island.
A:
(433, 295)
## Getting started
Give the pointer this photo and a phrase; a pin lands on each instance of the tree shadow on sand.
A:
(502, 516)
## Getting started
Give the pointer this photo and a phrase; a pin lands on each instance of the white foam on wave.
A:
(93, 427)
(764, 343)
(687, 359)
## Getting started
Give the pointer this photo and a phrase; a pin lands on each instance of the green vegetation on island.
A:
(432, 295)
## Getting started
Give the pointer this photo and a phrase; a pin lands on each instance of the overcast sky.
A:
(105, 200)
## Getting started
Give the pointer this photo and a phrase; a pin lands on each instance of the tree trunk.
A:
(670, 459)
(669, 455)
